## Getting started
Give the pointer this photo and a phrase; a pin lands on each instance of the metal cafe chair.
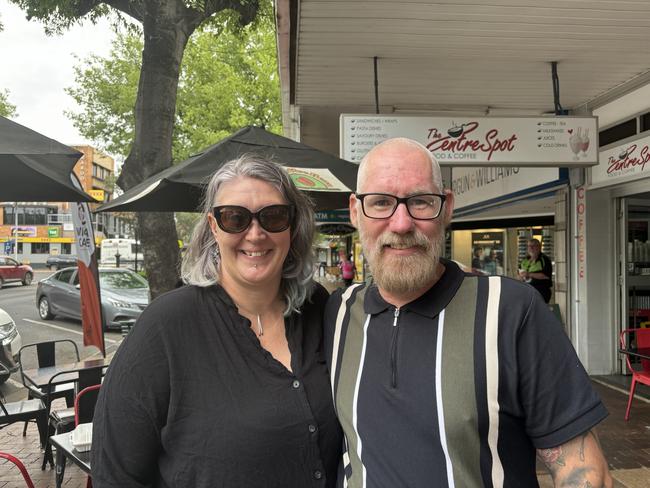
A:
(642, 341)
(20, 466)
(23, 411)
(84, 411)
(47, 353)
(62, 420)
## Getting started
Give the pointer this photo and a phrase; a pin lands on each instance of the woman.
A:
(223, 382)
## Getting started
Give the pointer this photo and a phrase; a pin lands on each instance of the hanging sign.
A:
(624, 162)
(480, 141)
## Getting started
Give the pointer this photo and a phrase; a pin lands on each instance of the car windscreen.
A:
(121, 280)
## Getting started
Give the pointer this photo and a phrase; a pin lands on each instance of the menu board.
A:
(548, 141)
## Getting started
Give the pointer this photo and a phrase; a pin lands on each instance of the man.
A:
(537, 270)
(477, 264)
(441, 378)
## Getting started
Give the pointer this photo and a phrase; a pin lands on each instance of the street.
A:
(20, 302)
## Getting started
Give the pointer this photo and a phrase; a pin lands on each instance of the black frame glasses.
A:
(272, 218)
(410, 203)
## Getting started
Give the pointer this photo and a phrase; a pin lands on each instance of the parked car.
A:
(124, 294)
(11, 343)
(60, 261)
(12, 270)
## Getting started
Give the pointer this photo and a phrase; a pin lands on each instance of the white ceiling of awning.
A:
(473, 55)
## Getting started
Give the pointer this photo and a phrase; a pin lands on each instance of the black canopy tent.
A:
(180, 187)
(35, 167)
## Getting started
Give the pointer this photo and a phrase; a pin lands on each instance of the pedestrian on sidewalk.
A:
(442, 378)
(223, 382)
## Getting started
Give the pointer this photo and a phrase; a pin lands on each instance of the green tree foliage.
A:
(6, 108)
(228, 80)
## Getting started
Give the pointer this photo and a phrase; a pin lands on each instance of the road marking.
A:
(64, 329)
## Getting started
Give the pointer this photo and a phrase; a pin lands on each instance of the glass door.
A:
(634, 268)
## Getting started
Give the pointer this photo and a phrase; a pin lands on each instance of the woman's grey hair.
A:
(201, 263)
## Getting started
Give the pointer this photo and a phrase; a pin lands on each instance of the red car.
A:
(12, 270)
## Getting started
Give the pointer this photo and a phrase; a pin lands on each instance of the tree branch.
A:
(132, 8)
(247, 9)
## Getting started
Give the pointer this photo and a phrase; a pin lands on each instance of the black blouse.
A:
(192, 399)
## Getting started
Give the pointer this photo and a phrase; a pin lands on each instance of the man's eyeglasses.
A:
(424, 206)
(235, 219)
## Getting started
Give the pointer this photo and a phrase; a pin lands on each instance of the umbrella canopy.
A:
(328, 179)
(35, 167)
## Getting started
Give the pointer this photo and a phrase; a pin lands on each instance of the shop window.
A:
(40, 248)
(617, 132)
(66, 248)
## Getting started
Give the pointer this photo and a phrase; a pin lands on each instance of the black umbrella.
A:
(179, 188)
(35, 167)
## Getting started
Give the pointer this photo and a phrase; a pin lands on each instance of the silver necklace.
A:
(260, 329)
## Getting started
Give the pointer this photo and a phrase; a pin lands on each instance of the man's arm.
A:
(579, 463)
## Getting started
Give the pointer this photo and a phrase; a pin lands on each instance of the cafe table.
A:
(40, 377)
(65, 450)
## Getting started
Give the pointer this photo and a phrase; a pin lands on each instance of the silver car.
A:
(124, 294)
(10, 344)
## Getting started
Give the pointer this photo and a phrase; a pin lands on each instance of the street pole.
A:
(16, 231)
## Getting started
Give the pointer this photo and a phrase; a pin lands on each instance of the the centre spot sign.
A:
(543, 141)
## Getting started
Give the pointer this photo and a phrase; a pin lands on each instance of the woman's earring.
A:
(216, 255)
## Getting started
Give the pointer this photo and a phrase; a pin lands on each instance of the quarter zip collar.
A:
(431, 303)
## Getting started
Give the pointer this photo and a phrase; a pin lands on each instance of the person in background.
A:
(477, 262)
(223, 382)
(537, 270)
(490, 263)
(443, 378)
(347, 268)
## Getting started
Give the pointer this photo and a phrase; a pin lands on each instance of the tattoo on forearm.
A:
(552, 456)
(582, 447)
(573, 464)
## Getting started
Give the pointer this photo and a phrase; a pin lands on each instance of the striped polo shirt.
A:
(455, 389)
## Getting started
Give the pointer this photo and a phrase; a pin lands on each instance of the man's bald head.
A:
(391, 145)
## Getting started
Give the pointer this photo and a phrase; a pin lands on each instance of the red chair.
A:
(84, 404)
(641, 337)
(20, 466)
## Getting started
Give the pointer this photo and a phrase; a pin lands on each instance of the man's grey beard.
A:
(403, 274)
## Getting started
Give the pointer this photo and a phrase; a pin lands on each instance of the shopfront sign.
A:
(333, 217)
(625, 162)
(97, 194)
(480, 141)
(23, 231)
(53, 232)
(476, 185)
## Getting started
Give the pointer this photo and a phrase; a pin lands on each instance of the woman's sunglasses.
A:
(235, 219)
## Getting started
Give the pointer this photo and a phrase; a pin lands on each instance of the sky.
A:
(36, 69)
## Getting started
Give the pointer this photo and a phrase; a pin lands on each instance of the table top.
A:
(641, 352)
(41, 376)
(64, 442)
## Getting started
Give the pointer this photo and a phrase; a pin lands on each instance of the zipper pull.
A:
(395, 315)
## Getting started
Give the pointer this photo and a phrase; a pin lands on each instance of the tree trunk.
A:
(166, 32)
